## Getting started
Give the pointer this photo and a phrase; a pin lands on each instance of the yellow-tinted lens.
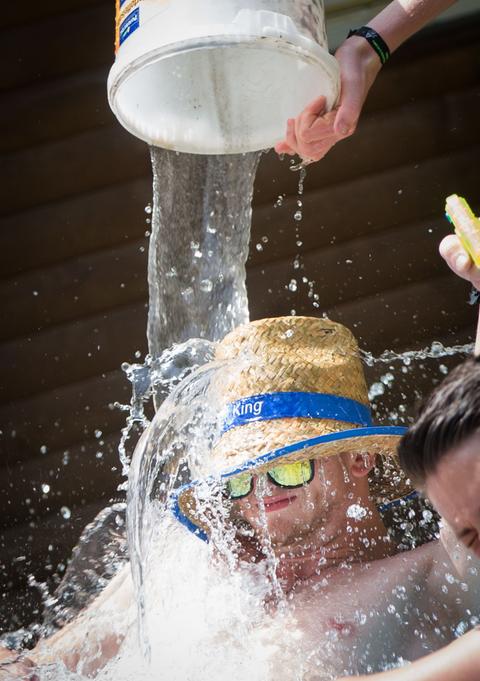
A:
(239, 486)
(292, 474)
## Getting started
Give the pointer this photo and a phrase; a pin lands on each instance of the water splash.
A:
(156, 378)
(183, 584)
(184, 424)
(399, 381)
(194, 633)
(435, 351)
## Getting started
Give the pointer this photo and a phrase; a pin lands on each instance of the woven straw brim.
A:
(253, 439)
(387, 484)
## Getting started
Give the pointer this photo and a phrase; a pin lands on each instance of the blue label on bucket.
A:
(122, 2)
(129, 25)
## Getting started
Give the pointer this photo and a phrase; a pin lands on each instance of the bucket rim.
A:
(314, 54)
(121, 72)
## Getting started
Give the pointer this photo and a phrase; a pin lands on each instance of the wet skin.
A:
(351, 593)
(453, 489)
(312, 517)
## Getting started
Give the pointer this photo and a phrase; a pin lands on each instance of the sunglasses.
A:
(288, 475)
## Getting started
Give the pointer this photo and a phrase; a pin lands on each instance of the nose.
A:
(263, 487)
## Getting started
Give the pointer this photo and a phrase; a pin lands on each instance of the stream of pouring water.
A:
(198, 246)
(200, 235)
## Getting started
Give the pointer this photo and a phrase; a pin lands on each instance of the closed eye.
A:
(468, 536)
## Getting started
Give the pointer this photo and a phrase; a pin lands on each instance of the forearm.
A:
(315, 131)
(87, 643)
(402, 18)
(459, 661)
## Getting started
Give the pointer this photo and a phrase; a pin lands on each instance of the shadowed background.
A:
(73, 251)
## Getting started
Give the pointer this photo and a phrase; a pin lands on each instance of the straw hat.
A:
(292, 388)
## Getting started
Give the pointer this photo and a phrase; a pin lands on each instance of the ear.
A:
(361, 464)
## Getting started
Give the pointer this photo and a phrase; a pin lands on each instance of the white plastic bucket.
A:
(218, 76)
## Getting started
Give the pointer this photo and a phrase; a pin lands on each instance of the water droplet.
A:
(400, 592)
(437, 349)
(461, 628)
(148, 209)
(387, 379)
(474, 297)
(259, 247)
(45, 488)
(293, 285)
(356, 511)
(43, 449)
(297, 215)
(65, 512)
(376, 389)
(206, 285)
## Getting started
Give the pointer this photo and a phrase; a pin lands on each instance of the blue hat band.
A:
(283, 405)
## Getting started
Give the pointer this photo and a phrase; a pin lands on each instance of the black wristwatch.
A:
(377, 43)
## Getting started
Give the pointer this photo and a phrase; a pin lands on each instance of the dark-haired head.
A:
(441, 451)
(449, 416)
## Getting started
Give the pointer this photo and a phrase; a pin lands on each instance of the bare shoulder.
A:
(420, 559)
(410, 568)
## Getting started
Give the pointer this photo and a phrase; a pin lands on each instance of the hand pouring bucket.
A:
(218, 76)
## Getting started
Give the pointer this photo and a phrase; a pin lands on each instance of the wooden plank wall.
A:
(73, 249)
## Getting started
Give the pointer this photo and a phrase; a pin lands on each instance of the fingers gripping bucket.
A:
(218, 76)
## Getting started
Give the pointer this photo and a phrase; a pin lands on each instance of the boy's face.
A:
(454, 489)
(292, 514)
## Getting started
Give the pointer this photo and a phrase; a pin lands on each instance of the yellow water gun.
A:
(467, 226)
